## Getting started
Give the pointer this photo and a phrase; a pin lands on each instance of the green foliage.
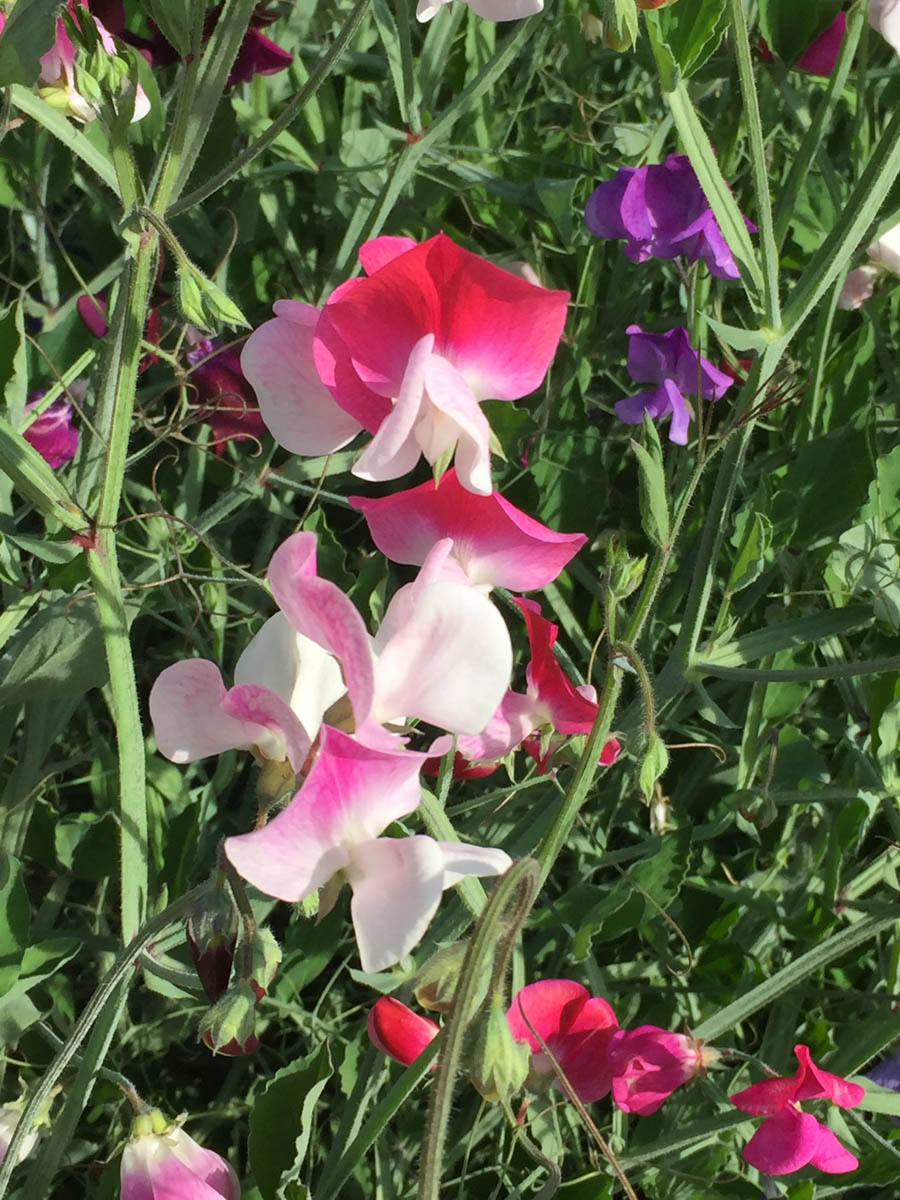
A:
(27, 35)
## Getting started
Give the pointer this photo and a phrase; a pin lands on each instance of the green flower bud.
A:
(227, 1028)
(498, 1063)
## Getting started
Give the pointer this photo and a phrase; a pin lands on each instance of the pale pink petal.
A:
(426, 9)
(462, 859)
(306, 677)
(188, 719)
(397, 885)
(320, 611)
(380, 251)
(173, 1167)
(784, 1142)
(454, 418)
(352, 793)
(297, 408)
(287, 737)
(395, 450)
(884, 15)
(886, 250)
(210, 1167)
(449, 664)
(510, 725)
(505, 10)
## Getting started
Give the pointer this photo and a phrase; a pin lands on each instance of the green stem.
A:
(514, 894)
(121, 969)
(759, 170)
(285, 118)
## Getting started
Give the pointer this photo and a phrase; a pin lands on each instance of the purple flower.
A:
(661, 211)
(887, 1075)
(52, 433)
(670, 362)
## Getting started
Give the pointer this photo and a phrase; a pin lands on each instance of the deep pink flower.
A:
(576, 1027)
(52, 433)
(225, 400)
(495, 544)
(821, 55)
(649, 1063)
(397, 1031)
(790, 1139)
(332, 827)
(160, 1163)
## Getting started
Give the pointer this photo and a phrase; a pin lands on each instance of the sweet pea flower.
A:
(225, 400)
(821, 55)
(10, 1116)
(885, 251)
(331, 828)
(161, 1161)
(576, 1028)
(670, 362)
(789, 1138)
(397, 1031)
(661, 211)
(52, 433)
(408, 354)
(491, 10)
(858, 287)
(649, 1063)
(884, 15)
(495, 544)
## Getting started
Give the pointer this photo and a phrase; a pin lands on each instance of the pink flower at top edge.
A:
(52, 433)
(884, 15)
(576, 1027)
(397, 1031)
(495, 544)
(160, 1166)
(789, 1138)
(490, 10)
(649, 1063)
(332, 826)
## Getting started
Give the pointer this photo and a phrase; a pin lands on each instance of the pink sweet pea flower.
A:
(495, 544)
(163, 1165)
(491, 10)
(331, 826)
(576, 1027)
(858, 287)
(885, 251)
(225, 400)
(649, 1063)
(52, 433)
(397, 1031)
(790, 1139)
(10, 1115)
(411, 351)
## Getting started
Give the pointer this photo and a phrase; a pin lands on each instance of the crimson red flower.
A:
(397, 1031)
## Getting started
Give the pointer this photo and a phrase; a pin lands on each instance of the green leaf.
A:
(29, 33)
(18, 1012)
(13, 364)
(59, 652)
(15, 919)
(175, 20)
(692, 31)
(88, 845)
(653, 501)
(656, 759)
(737, 338)
(281, 1122)
(661, 876)
(755, 540)
(786, 635)
(789, 27)
(557, 195)
(67, 132)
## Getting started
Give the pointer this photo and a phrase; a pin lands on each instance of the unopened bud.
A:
(435, 984)
(397, 1031)
(498, 1064)
(227, 1028)
(265, 957)
(190, 300)
(211, 931)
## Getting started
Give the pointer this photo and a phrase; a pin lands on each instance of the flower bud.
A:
(499, 1064)
(397, 1031)
(10, 1115)
(190, 299)
(435, 984)
(227, 1028)
(265, 957)
(211, 931)
(162, 1161)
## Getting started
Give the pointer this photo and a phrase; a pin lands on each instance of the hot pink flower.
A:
(331, 827)
(821, 55)
(790, 1139)
(397, 1031)
(162, 1165)
(52, 433)
(411, 351)
(649, 1063)
(495, 544)
(576, 1028)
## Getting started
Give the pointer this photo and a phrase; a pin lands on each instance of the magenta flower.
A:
(408, 354)
(649, 1063)
(821, 55)
(52, 433)
(670, 362)
(161, 1161)
(494, 543)
(789, 1138)
(661, 211)
(397, 1031)
(332, 827)
(576, 1027)
(225, 399)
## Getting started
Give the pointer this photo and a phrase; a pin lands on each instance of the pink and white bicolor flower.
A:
(161, 1162)
(495, 544)
(332, 826)
(408, 354)
(442, 655)
(789, 1138)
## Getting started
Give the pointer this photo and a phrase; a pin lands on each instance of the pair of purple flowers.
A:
(661, 211)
